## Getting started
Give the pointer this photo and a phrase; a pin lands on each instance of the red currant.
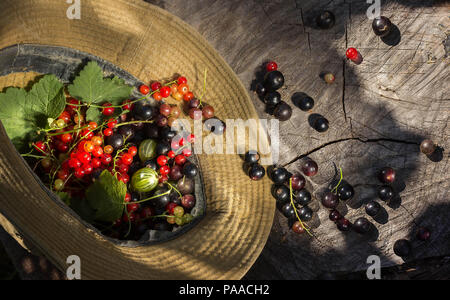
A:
(106, 159)
(127, 197)
(352, 53)
(79, 173)
(191, 138)
(107, 109)
(133, 151)
(108, 132)
(163, 179)
(188, 96)
(130, 218)
(123, 168)
(87, 134)
(271, 66)
(63, 174)
(180, 160)
(162, 160)
(96, 163)
(40, 146)
(97, 151)
(87, 168)
(65, 116)
(127, 105)
(144, 89)
(66, 138)
(182, 80)
(112, 123)
(155, 86)
(165, 91)
(124, 178)
(133, 207)
(63, 148)
(84, 157)
(170, 207)
(171, 154)
(74, 163)
(146, 212)
(127, 159)
(187, 152)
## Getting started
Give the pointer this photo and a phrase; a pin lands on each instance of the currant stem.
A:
(339, 183)
(295, 209)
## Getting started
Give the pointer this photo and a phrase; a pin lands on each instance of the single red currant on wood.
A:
(271, 66)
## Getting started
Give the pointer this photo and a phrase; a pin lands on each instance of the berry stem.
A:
(339, 183)
(175, 189)
(295, 209)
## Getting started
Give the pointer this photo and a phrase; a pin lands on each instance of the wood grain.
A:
(379, 112)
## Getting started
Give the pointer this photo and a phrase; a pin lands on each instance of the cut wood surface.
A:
(379, 112)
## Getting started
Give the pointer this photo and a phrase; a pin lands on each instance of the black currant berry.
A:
(272, 98)
(151, 131)
(321, 124)
(162, 149)
(279, 175)
(167, 134)
(283, 111)
(362, 226)
(288, 211)
(387, 175)
(162, 200)
(144, 112)
(116, 141)
(256, 172)
(190, 170)
(345, 192)
(427, 147)
(260, 90)
(325, 20)
(273, 80)
(343, 224)
(305, 213)
(252, 157)
(298, 182)
(303, 197)
(373, 208)
(335, 215)
(330, 200)
(127, 131)
(381, 26)
(423, 234)
(186, 186)
(151, 164)
(305, 104)
(385, 193)
(281, 193)
(402, 248)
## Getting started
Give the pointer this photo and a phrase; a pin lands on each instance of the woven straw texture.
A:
(147, 42)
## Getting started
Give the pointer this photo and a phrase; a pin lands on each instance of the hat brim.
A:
(147, 42)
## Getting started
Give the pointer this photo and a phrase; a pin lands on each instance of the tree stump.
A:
(379, 112)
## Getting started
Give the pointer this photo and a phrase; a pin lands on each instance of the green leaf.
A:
(17, 118)
(106, 196)
(83, 209)
(65, 197)
(47, 99)
(93, 114)
(91, 88)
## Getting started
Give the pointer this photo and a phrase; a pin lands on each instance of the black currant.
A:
(373, 208)
(162, 148)
(330, 200)
(321, 124)
(362, 225)
(256, 172)
(335, 215)
(298, 182)
(127, 132)
(116, 141)
(279, 175)
(151, 164)
(151, 131)
(283, 111)
(325, 20)
(305, 213)
(385, 193)
(144, 111)
(427, 147)
(190, 170)
(162, 200)
(423, 234)
(402, 248)
(260, 90)
(343, 224)
(252, 157)
(345, 192)
(381, 26)
(387, 175)
(288, 211)
(186, 186)
(302, 197)
(305, 104)
(272, 98)
(167, 134)
(273, 80)
(281, 193)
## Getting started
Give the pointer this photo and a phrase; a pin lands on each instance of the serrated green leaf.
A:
(90, 86)
(93, 114)
(46, 99)
(16, 117)
(65, 197)
(106, 196)
(83, 209)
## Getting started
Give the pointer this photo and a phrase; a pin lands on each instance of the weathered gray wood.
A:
(379, 113)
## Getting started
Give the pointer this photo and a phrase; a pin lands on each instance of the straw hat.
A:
(147, 42)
